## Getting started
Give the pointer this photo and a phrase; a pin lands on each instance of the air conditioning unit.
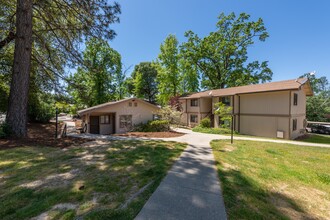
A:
(280, 134)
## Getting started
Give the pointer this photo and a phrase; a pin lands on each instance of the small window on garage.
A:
(130, 104)
(295, 99)
(294, 124)
(194, 118)
(194, 102)
(135, 104)
(105, 119)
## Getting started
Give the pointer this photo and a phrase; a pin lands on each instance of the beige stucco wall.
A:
(264, 126)
(300, 126)
(300, 108)
(205, 105)
(140, 114)
(265, 103)
(192, 108)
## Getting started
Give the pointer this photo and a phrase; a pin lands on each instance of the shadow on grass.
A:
(245, 199)
(110, 174)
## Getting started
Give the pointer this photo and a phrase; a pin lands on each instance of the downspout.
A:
(290, 94)
(187, 111)
(233, 111)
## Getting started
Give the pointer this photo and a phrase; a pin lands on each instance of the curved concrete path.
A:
(191, 189)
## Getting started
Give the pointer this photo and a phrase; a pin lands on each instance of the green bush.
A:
(153, 126)
(205, 123)
(213, 130)
(4, 130)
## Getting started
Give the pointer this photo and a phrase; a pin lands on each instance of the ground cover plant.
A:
(262, 180)
(96, 180)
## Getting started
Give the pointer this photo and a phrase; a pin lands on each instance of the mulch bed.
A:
(167, 134)
(41, 135)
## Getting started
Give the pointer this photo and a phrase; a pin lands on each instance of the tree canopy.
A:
(96, 81)
(222, 56)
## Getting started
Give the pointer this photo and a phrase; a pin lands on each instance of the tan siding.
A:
(205, 105)
(300, 127)
(265, 103)
(301, 107)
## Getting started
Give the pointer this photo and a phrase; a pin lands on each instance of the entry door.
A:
(94, 127)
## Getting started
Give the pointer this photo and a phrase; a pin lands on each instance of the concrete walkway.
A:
(191, 189)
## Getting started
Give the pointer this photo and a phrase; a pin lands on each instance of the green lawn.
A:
(317, 138)
(82, 182)
(263, 180)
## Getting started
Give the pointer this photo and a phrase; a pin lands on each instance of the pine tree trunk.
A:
(19, 88)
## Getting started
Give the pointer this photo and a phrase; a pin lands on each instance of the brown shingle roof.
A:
(293, 84)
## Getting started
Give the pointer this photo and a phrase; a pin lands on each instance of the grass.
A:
(95, 181)
(317, 138)
(263, 180)
(212, 130)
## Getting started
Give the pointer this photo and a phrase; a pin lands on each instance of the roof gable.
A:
(96, 107)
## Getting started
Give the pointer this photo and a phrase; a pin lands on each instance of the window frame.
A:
(295, 99)
(135, 104)
(226, 100)
(294, 124)
(194, 102)
(193, 116)
(130, 104)
(104, 121)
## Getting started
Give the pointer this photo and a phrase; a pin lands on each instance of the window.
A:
(295, 99)
(105, 119)
(135, 104)
(194, 118)
(130, 104)
(294, 124)
(194, 102)
(226, 100)
(125, 121)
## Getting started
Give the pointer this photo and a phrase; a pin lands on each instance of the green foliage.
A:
(96, 82)
(212, 130)
(153, 126)
(224, 112)
(318, 106)
(168, 70)
(5, 130)
(221, 57)
(41, 107)
(170, 114)
(205, 123)
(144, 81)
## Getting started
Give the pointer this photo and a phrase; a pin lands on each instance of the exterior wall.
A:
(300, 108)
(205, 105)
(265, 103)
(300, 126)
(192, 108)
(264, 126)
(140, 114)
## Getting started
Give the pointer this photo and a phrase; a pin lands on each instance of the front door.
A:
(94, 127)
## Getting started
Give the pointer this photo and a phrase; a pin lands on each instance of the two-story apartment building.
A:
(276, 109)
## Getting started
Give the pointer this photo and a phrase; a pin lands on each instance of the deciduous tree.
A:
(222, 57)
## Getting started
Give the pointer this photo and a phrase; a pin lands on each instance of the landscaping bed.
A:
(41, 135)
(165, 134)
(96, 180)
(262, 180)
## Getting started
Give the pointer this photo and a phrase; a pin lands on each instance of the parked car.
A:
(322, 129)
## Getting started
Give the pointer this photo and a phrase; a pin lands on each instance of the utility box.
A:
(280, 134)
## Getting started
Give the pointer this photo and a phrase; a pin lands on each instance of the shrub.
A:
(153, 126)
(4, 130)
(205, 123)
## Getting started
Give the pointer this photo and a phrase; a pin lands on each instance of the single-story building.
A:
(275, 109)
(117, 117)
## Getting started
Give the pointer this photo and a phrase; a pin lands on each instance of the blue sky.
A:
(299, 31)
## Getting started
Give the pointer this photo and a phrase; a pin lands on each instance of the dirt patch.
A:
(167, 134)
(310, 203)
(41, 135)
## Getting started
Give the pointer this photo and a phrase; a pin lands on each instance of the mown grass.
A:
(263, 180)
(212, 130)
(317, 138)
(97, 180)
